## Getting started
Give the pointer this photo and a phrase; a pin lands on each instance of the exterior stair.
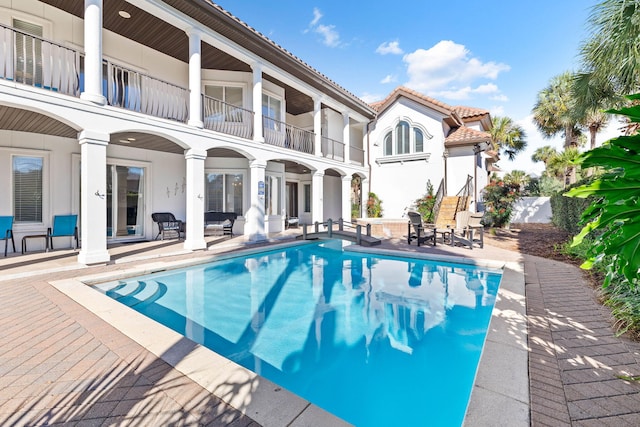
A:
(448, 208)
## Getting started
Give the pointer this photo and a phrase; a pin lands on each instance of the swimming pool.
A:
(376, 340)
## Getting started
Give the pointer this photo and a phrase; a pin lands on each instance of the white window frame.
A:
(30, 227)
(412, 155)
(245, 194)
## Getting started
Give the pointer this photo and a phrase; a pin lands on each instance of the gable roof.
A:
(415, 96)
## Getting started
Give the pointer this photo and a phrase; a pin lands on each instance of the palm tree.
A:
(507, 136)
(544, 154)
(612, 54)
(553, 112)
(610, 57)
(562, 165)
(517, 177)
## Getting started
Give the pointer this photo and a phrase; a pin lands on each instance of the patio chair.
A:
(416, 230)
(6, 232)
(63, 226)
(469, 229)
(167, 223)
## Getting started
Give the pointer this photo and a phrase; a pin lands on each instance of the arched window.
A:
(388, 144)
(402, 138)
(418, 141)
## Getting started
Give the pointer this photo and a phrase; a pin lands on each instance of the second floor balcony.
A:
(35, 61)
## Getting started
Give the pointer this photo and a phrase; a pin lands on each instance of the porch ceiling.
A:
(155, 33)
(28, 121)
(145, 141)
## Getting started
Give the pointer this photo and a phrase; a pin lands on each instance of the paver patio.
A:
(61, 364)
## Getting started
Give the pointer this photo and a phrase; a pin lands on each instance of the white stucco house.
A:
(415, 139)
(114, 110)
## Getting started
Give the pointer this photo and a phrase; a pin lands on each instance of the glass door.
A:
(125, 201)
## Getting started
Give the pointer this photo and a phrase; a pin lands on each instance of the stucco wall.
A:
(532, 210)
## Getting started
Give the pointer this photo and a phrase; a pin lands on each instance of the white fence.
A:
(531, 210)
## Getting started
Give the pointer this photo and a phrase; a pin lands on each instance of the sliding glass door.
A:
(125, 201)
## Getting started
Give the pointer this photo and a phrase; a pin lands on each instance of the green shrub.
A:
(424, 205)
(374, 206)
(499, 198)
(566, 212)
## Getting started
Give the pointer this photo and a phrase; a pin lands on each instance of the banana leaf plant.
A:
(614, 219)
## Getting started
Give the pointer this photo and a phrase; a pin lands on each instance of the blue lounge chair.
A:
(63, 225)
(6, 232)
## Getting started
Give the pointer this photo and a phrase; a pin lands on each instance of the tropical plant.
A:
(610, 57)
(563, 165)
(424, 205)
(543, 154)
(518, 177)
(553, 112)
(616, 213)
(507, 137)
(374, 206)
(499, 197)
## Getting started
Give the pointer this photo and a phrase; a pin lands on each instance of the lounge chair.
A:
(167, 223)
(6, 232)
(416, 230)
(469, 229)
(63, 226)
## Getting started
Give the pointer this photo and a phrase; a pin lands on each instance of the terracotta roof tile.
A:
(469, 112)
(412, 94)
(464, 136)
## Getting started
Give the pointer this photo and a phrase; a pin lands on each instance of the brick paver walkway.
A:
(60, 364)
(575, 360)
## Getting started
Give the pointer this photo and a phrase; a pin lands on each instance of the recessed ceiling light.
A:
(124, 141)
(124, 14)
(131, 139)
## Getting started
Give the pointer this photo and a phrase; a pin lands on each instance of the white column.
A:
(364, 183)
(93, 197)
(195, 78)
(254, 227)
(317, 195)
(346, 137)
(195, 199)
(346, 198)
(93, 52)
(258, 136)
(317, 126)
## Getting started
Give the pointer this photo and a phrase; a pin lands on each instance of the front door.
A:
(292, 199)
(125, 202)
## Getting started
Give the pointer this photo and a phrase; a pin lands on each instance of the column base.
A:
(256, 237)
(95, 98)
(93, 257)
(195, 244)
(196, 123)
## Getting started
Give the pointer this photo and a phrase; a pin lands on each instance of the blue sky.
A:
(494, 54)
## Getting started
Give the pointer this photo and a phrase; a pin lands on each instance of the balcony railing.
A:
(332, 149)
(283, 135)
(227, 118)
(140, 92)
(37, 62)
(356, 155)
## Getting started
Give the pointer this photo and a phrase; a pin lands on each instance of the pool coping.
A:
(500, 391)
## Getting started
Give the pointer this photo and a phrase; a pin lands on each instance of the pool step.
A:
(133, 293)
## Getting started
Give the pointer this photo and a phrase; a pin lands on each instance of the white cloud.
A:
(330, 37)
(389, 79)
(496, 110)
(500, 98)
(371, 97)
(465, 92)
(448, 69)
(316, 17)
(329, 34)
(390, 48)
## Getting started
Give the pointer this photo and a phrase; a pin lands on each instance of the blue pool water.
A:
(375, 340)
